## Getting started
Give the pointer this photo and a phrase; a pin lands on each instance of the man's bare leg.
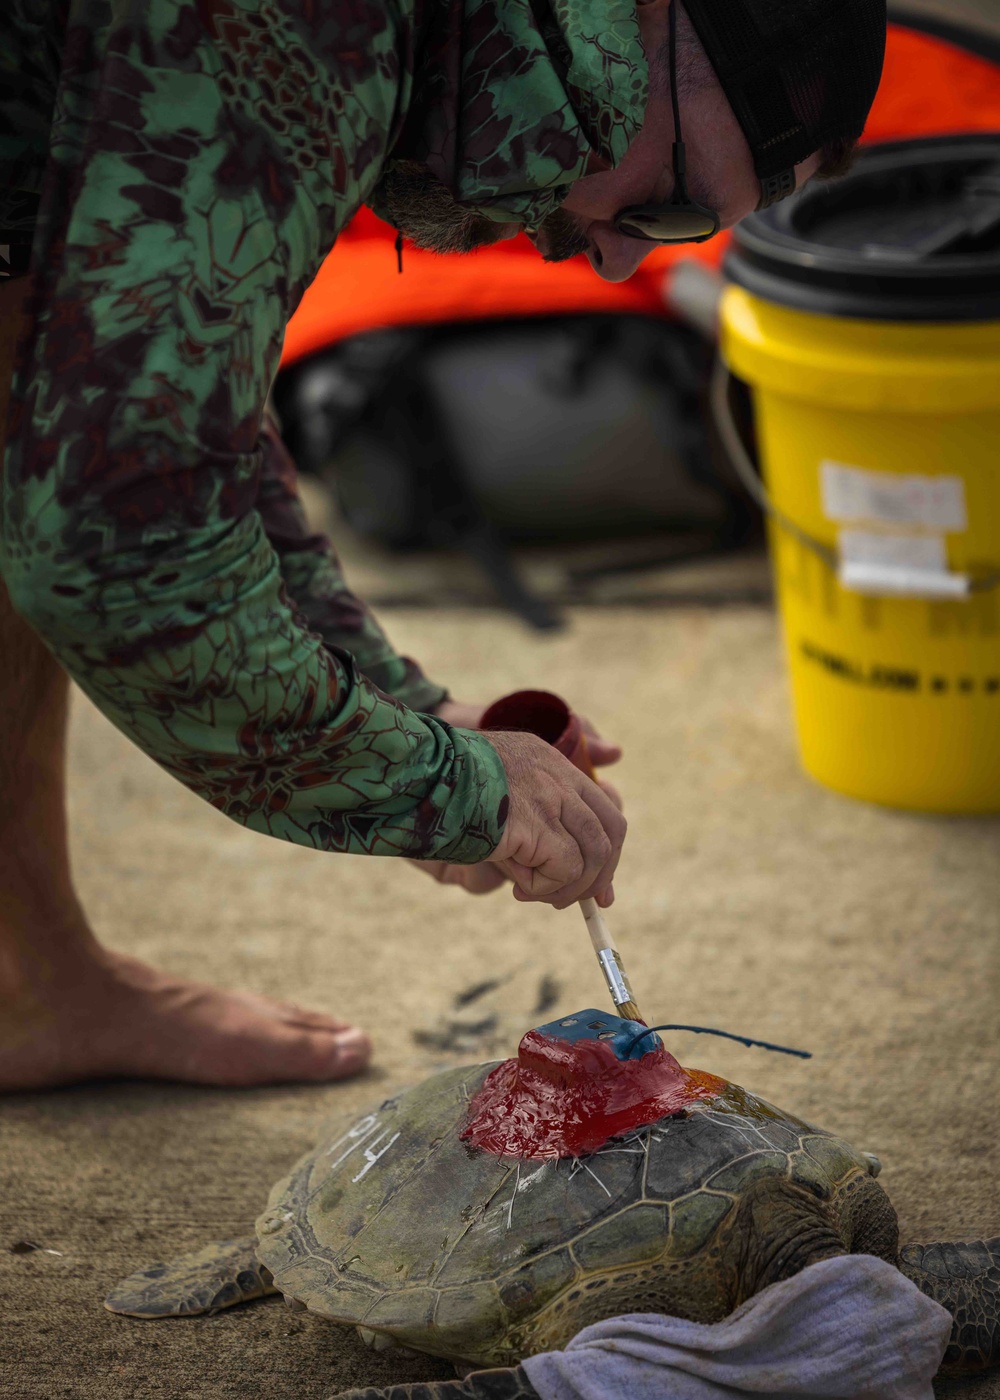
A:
(69, 1008)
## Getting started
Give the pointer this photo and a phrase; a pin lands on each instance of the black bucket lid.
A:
(911, 234)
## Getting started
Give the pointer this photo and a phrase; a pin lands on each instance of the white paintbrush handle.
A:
(596, 927)
(611, 963)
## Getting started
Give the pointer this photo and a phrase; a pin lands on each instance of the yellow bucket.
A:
(879, 444)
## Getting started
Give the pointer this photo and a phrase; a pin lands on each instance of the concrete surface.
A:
(748, 899)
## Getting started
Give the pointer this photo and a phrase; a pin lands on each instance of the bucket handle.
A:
(722, 413)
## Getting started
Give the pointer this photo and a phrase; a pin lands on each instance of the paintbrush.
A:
(611, 963)
(604, 945)
(545, 715)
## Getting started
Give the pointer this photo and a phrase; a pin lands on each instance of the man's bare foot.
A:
(69, 1009)
(111, 1017)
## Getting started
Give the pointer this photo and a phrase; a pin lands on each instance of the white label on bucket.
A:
(934, 502)
(899, 566)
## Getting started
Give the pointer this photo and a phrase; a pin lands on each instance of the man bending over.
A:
(172, 175)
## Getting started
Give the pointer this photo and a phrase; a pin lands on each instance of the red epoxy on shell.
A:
(560, 1099)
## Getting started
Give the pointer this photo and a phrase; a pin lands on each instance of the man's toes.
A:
(354, 1045)
(321, 1055)
(314, 1020)
(290, 1013)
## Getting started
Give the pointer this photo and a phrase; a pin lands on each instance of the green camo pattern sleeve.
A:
(315, 580)
(203, 158)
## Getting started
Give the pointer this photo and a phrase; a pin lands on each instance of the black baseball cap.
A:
(798, 74)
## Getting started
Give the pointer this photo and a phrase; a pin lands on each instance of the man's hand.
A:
(601, 751)
(483, 878)
(564, 834)
(489, 876)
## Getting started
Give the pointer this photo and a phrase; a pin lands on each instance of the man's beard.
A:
(423, 209)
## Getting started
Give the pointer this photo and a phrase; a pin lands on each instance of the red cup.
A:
(542, 713)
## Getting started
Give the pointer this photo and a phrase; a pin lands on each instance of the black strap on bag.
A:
(480, 435)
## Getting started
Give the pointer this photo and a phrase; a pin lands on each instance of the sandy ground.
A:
(748, 899)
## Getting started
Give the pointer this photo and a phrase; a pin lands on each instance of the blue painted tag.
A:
(624, 1036)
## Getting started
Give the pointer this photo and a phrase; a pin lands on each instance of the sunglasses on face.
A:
(681, 220)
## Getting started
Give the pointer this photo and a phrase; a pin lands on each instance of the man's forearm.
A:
(202, 660)
(316, 583)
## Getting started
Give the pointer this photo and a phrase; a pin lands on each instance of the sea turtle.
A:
(400, 1225)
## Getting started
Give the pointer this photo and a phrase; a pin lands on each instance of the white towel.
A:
(853, 1328)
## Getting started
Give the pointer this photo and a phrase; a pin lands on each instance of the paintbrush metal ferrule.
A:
(610, 963)
(614, 975)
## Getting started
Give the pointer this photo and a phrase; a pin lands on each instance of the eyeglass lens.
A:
(680, 221)
(668, 225)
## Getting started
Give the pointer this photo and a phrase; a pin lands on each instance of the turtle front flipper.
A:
(219, 1276)
(965, 1279)
(505, 1383)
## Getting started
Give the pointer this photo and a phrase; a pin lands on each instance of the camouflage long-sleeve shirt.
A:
(178, 171)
